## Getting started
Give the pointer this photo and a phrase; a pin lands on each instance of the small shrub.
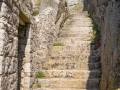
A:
(36, 12)
(88, 16)
(71, 16)
(40, 75)
(46, 68)
(37, 86)
(58, 44)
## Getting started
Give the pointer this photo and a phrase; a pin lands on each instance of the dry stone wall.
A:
(106, 13)
(25, 41)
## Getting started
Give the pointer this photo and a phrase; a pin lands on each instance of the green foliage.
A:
(37, 7)
(40, 75)
(37, 86)
(58, 44)
(71, 16)
(46, 68)
(38, 3)
(89, 16)
(36, 12)
(96, 33)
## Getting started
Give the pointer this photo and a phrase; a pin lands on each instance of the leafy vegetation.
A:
(36, 12)
(46, 68)
(58, 44)
(89, 16)
(96, 34)
(37, 7)
(40, 75)
(37, 86)
(71, 16)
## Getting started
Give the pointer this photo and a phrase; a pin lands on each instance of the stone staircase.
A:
(75, 65)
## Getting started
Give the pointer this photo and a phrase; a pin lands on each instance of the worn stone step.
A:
(74, 59)
(73, 22)
(69, 83)
(62, 89)
(78, 25)
(70, 51)
(74, 41)
(78, 17)
(68, 31)
(77, 74)
(52, 65)
(81, 47)
(85, 36)
(75, 29)
(78, 22)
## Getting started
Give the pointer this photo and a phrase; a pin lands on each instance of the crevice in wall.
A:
(22, 43)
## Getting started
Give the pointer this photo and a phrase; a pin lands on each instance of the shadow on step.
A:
(94, 65)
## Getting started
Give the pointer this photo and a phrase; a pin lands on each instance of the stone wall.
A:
(106, 13)
(26, 41)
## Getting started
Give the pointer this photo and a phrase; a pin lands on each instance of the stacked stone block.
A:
(106, 13)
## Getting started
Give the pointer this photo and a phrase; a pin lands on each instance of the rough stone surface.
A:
(74, 65)
(106, 13)
(24, 41)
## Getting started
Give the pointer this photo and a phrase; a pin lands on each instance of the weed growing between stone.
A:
(71, 16)
(45, 68)
(37, 86)
(35, 12)
(96, 32)
(37, 7)
(58, 44)
(40, 75)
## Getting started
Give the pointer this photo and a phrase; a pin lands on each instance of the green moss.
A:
(40, 75)
(58, 44)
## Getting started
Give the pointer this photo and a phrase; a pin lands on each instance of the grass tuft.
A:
(58, 44)
(37, 86)
(40, 75)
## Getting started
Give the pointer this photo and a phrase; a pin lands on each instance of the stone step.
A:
(69, 83)
(80, 36)
(74, 41)
(74, 59)
(77, 74)
(60, 65)
(78, 25)
(80, 17)
(78, 28)
(62, 89)
(73, 47)
(78, 22)
(70, 51)
(76, 31)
